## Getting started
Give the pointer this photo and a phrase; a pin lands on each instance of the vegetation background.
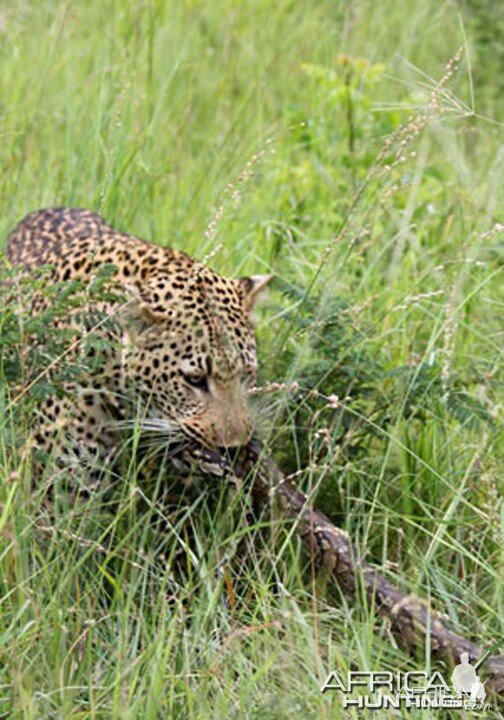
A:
(355, 149)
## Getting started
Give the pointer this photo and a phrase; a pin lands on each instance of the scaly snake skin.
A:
(411, 620)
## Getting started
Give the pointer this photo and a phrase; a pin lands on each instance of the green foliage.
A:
(284, 123)
(487, 29)
(346, 121)
(346, 385)
(50, 331)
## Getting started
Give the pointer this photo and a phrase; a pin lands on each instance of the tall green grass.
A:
(268, 136)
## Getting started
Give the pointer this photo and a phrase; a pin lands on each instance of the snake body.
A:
(413, 623)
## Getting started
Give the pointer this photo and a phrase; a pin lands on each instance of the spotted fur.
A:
(187, 348)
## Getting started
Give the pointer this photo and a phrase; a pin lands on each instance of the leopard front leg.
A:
(74, 438)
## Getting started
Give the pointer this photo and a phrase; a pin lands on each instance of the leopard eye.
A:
(200, 382)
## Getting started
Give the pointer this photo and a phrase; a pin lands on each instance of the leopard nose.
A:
(232, 436)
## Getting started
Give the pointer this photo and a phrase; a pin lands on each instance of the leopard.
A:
(185, 349)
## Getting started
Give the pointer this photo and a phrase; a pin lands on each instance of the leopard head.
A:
(193, 354)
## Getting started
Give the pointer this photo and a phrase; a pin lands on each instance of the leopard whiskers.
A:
(157, 426)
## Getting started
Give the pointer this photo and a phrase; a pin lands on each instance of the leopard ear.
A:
(138, 312)
(253, 287)
(137, 317)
